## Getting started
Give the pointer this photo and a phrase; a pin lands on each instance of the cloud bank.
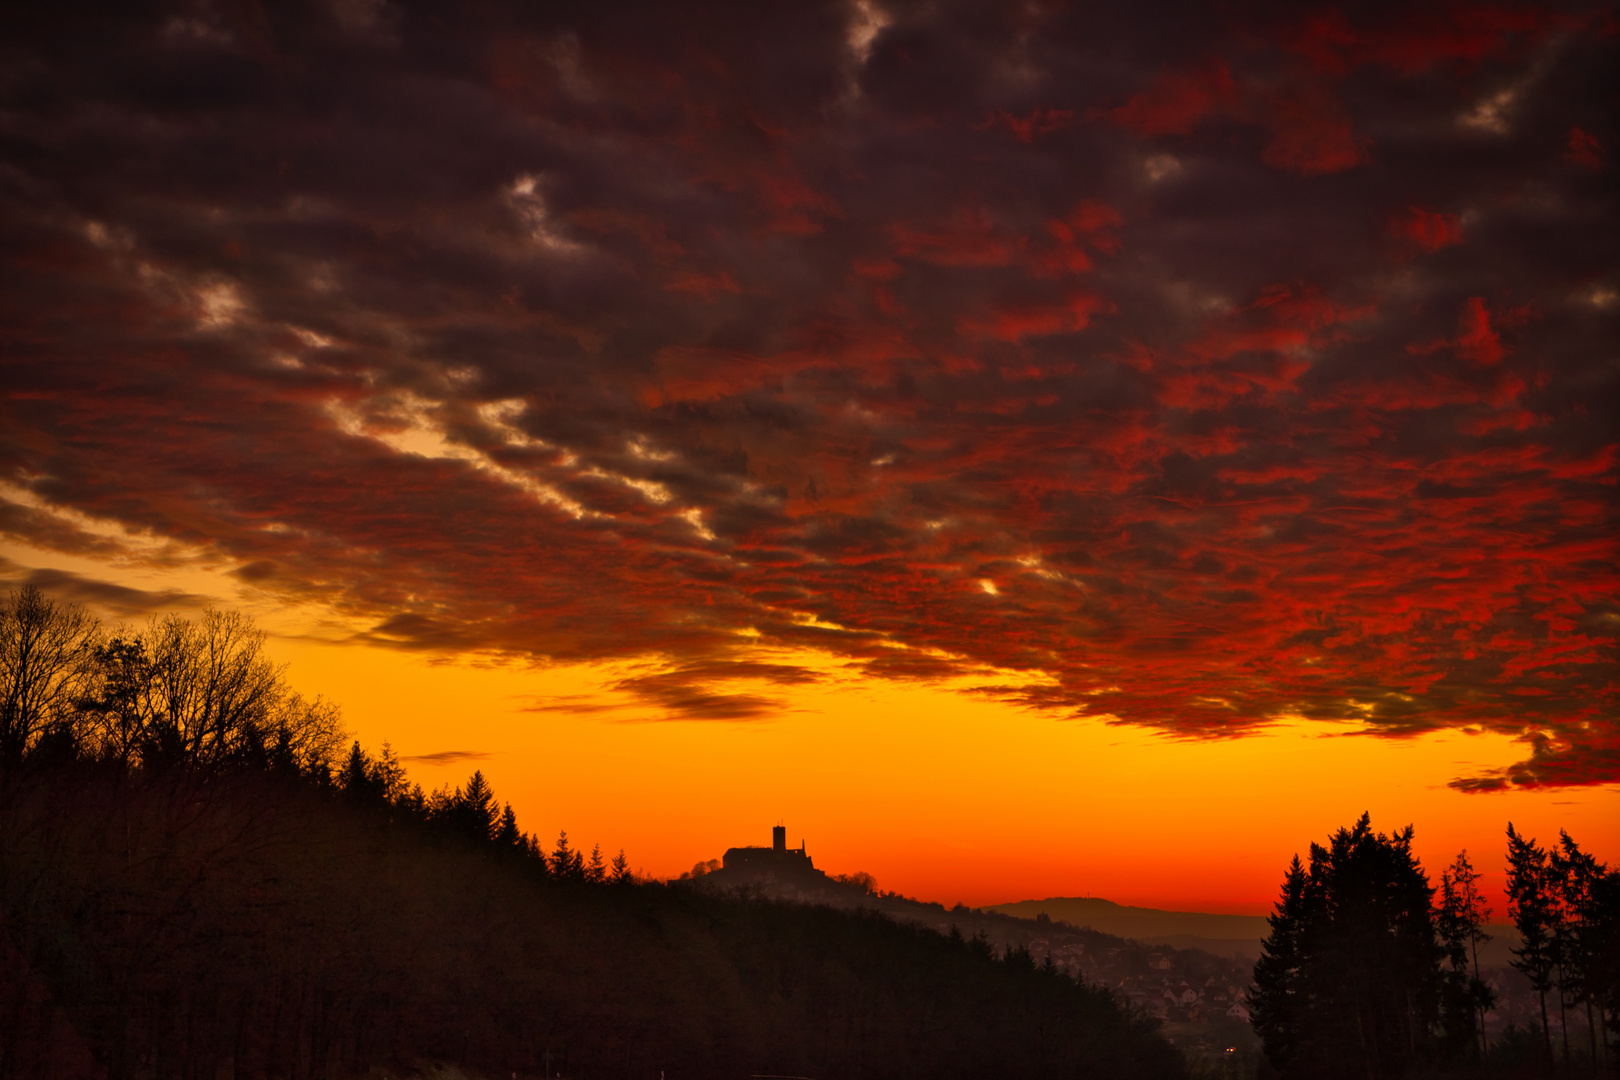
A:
(1247, 364)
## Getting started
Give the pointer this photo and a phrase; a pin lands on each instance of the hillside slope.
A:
(180, 924)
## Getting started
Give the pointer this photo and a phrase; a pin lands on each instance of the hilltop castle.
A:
(778, 860)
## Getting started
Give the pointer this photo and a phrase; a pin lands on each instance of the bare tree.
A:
(203, 693)
(211, 686)
(309, 732)
(46, 659)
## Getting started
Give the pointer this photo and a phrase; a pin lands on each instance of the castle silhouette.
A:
(778, 860)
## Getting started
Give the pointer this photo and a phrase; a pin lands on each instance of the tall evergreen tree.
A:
(389, 775)
(566, 863)
(1458, 921)
(1580, 882)
(1349, 983)
(508, 837)
(619, 869)
(1278, 1001)
(537, 853)
(1534, 913)
(596, 868)
(473, 811)
(356, 777)
(1606, 954)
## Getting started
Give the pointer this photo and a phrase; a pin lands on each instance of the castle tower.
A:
(779, 838)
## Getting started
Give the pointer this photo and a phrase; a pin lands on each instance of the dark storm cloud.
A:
(1208, 369)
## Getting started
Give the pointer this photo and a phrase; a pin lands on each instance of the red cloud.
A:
(1583, 149)
(1175, 102)
(1430, 230)
(1380, 494)
(1040, 121)
(1416, 40)
(705, 286)
(968, 238)
(1016, 322)
(1312, 134)
(1462, 33)
(1476, 340)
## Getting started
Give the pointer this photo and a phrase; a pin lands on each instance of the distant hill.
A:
(1223, 935)
(1207, 983)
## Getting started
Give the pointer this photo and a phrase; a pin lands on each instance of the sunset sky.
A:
(1030, 449)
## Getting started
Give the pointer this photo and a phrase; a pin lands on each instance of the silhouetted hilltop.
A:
(1198, 993)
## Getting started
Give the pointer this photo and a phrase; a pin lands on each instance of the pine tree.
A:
(473, 813)
(566, 863)
(389, 775)
(357, 778)
(438, 806)
(1461, 914)
(1605, 950)
(1533, 911)
(596, 869)
(507, 835)
(536, 853)
(1580, 876)
(620, 869)
(414, 804)
(1349, 983)
(1277, 1001)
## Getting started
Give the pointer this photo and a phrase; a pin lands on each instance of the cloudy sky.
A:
(1198, 407)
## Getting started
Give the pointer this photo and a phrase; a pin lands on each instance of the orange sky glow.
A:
(938, 793)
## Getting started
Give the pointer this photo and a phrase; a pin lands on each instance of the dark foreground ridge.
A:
(239, 923)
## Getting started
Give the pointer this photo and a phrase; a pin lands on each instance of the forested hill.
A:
(181, 923)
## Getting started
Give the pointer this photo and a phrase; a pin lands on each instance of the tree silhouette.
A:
(1458, 922)
(389, 775)
(1605, 952)
(358, 778)
(1278, 1002)
(507, 835)
(199, 695)
(113, 709)
(1533, 907)
(471, 811)
(1589, 921)
(566, 863)
(1349, 981)
(46, 654)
